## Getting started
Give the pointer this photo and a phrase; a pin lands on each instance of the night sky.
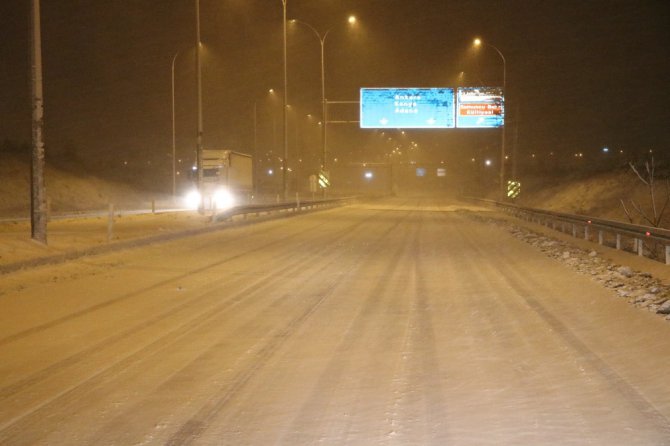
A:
(581, 75)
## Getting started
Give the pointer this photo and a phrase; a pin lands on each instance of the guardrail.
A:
(293, 206)
(244, 210)
(642, 240)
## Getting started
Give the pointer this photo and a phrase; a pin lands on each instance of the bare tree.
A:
(654, 215)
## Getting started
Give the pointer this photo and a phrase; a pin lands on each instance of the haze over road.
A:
(396, 322)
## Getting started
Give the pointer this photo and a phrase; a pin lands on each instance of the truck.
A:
(227, 179)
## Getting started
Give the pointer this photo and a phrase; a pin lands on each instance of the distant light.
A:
(368, 175)
(606, 149)
(271, 172)
(352, 19)
(488, 162)
(477, 42)
(194, 168)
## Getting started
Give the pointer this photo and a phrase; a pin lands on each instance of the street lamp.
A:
(478, 42)
(256, 157)
(322, 40)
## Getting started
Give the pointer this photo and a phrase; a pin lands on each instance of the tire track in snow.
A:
(86, 311)
(525, 288)
(11, 428)
(418, 375)
(330, 382)
(511, 309)
(12, 389)
(617, 382)
(195, 427)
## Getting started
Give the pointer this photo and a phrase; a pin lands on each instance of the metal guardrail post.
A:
(636, 233)
(110, 223)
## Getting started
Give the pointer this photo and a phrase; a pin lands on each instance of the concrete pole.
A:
(38, 202)
(198, 69)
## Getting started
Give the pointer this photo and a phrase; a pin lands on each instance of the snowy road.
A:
(395, 323)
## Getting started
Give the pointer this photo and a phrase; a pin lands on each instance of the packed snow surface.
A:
(403, 322)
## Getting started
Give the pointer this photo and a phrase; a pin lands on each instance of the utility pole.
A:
(38, 202)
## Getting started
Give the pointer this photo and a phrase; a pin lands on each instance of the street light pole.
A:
(324, 112)
(198, 69)
(254, 159)
(478, 42)
(285, 157)
(174, 135)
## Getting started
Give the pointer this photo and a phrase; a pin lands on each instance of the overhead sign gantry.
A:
(432, 108)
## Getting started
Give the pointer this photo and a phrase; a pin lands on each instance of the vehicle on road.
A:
(227, 179)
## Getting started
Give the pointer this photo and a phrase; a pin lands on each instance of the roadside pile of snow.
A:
(66, 191)
(638, 288)
(598, 195)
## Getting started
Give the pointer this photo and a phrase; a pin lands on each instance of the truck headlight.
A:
(192, 199)
(223, 199)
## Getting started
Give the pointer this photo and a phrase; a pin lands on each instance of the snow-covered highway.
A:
(398, 322)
